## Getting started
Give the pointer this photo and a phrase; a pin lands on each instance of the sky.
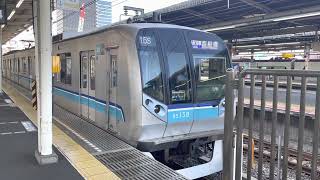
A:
(117, 10)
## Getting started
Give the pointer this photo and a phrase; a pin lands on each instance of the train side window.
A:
(152, 81)
(92, 73)
(65, 73)
(24, 65)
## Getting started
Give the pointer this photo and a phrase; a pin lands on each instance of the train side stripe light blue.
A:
(114, 111)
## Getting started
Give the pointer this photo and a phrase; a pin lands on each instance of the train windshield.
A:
(209, 58)
(150, 65)
(178, 68)
(182, 66)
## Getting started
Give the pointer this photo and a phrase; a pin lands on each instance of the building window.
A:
(65, 73)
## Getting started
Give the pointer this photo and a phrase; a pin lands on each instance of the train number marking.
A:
(179, 115)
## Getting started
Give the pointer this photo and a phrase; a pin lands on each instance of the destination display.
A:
(197, 44)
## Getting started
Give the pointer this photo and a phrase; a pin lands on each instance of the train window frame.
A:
(65, 75)
(156, 47)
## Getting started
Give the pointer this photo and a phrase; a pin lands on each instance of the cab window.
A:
(148, 51)
(175, 52)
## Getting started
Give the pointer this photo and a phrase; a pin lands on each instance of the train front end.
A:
(183, 73)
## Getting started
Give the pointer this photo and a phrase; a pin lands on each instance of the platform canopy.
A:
(242, 21)
(19, 18)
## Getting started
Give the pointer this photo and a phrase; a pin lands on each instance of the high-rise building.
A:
(103, 12)
(97, 13)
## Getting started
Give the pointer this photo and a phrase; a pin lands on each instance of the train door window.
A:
(84, 66)
(29, 65)
(18, 65)
(178, 66)
(92, 73)
(114, 71)
(152, 80)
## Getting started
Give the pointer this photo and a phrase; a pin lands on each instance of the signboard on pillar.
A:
(3, 12)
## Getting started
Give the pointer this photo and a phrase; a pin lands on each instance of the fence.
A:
(236, 127)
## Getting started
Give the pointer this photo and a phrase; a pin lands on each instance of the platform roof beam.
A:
(258, 5)
(269, 18)
(203, 16)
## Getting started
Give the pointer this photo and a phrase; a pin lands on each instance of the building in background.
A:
(66, 18)
(103, 13)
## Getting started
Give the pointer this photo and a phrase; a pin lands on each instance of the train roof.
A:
(136, 26)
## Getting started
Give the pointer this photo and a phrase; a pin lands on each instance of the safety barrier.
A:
(232, 166)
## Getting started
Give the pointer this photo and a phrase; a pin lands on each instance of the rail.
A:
(236, 127)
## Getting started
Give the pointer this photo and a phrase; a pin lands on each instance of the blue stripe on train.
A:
(183, 113)
(93, 103)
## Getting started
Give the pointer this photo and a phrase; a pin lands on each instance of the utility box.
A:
(3, 12)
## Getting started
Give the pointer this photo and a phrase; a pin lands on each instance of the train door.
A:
(87, 79)
(113, 84)
(84, 99)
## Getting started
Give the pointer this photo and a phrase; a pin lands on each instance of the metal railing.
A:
(232, 166)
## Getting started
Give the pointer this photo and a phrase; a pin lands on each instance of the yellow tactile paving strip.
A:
(310, 110)
(87, 165)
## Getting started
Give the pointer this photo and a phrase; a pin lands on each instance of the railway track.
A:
(292, 155)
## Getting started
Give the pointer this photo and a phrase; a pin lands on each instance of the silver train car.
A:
(158, 87)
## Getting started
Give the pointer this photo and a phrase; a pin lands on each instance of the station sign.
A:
(3, 11)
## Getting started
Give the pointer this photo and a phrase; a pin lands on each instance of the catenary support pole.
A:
(44, 154)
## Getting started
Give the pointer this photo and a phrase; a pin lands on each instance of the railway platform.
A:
(18, 140)
(85, 151)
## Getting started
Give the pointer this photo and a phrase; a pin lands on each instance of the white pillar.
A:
(0, 60)
(44, 154)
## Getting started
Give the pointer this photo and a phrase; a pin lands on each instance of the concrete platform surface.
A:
(18, 142)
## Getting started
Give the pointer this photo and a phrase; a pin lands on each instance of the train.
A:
(159, 87)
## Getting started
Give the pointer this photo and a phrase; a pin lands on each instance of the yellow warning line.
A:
(86, 164)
